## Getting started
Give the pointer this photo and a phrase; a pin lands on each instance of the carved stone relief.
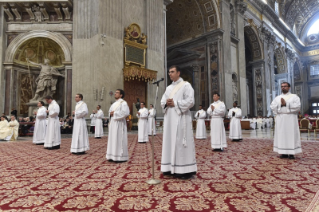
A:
(259, 98)
(234, 87)
(214, 67)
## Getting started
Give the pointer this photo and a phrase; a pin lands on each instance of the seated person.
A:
(9, 131)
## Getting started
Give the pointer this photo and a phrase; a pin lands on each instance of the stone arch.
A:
(254, 42)
(62, 41)
(187, 19)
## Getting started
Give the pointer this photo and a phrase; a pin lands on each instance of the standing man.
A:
(235, 126)
(287, 136)
(53, 134)
(142, 115)
(40, 127)
(217, 128)
(178, 152)
(99, 122)
(200, 116)
(151, 120)
(93, 119)
(80, 138)
(117, 149)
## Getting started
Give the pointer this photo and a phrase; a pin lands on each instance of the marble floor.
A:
(259, 133)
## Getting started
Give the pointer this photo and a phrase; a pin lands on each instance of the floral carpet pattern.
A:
(247, 176)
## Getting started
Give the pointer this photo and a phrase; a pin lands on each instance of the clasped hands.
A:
(112, 113)
(170, 103)
(283, 102)
(213, 108)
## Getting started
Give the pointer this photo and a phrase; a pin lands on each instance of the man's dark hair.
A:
(143, 103)
(200, 105)
(80, 95)
(178, 69)
(49, 97)
(236, 102)
(99, 106)
(216, 93)
(42, 103)
(121, 92)
(286, 83)
(152, 105)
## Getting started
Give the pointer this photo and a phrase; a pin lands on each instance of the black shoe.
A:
(39, 144)
(120, 161)
(49, 148)
(56, 147)
(110, 160)
(218, 150)
(97, 137)
(167, 173)
(185, 176)
(291, 157)
(283, 156)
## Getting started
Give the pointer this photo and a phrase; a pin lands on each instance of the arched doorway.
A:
(21, 76)
(254, 71)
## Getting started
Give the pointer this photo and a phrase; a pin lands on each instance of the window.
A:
(314, 70)
(314, 29)
(276, 7)
(314, 108)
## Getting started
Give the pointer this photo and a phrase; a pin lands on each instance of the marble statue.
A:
(37, 13)
(235, 92)
(46, 81)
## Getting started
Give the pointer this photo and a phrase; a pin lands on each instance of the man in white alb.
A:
(142, 115)
(98, 122)
(235, 126)
(92, 125)
(53, 134)
(200, 116)
(178, 151)
(80, 137)
(287, 136)
(217, 129)
(117, 149)
(40, 127)
(151, 120)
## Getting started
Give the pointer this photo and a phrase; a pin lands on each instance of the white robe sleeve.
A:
(181, 106)
(274, 106)
(42, 114)
(82, 111)
(202, 115)
(144, 114)
(99, 115)
(196, 115)
(230, 113)
(122, 112)
(220, 111)
(91, 116)
(209, 110)
(293, 106)
(238, 114)
(54, 111)
(163, 102)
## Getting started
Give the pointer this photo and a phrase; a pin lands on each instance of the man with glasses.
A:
(287, 136)
(178, 152)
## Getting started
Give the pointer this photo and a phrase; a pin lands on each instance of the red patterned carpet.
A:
(248, 176)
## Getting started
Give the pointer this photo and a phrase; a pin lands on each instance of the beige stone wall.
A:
(95, 65)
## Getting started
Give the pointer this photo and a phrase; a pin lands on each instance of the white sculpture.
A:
(46, 81)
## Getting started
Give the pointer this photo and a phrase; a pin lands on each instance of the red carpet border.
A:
(247, 176)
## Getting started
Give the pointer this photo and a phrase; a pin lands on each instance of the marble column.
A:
(226, 91)
(68, 86)
(7, 98)
(197, 79)
(242, 91)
